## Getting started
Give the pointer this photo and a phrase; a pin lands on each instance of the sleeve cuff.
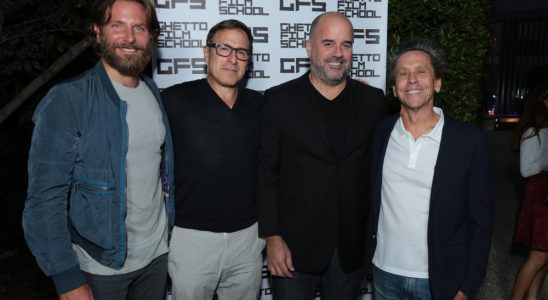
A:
(68, 280)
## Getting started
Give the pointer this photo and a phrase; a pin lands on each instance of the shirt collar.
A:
(434, 134)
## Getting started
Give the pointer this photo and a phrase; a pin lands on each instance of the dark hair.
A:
(436, 54)
(534, 114)
(230, 24)
(101, 13)
(319, 17)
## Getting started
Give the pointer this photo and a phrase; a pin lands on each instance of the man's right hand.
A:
(82, 292)
(278, 257)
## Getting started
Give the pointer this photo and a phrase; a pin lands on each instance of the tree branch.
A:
(57, 66)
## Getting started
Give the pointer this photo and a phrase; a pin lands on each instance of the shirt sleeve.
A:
(51, 159)
(530, 155)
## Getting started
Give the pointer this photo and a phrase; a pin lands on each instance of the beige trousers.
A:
(202, 263)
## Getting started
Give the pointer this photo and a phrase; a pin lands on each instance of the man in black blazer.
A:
(314, 169)
(432, 200)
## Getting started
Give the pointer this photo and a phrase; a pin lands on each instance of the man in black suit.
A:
(314, 169)
(432, 201)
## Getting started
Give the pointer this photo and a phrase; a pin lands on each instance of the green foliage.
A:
(33, 34)
(464, 30)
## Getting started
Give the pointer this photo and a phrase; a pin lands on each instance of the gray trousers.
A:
(202, 263)
(148, 283)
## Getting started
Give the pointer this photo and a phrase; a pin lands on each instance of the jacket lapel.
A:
(354, 112)
(380, 144)
(445, 155)
(384, 138)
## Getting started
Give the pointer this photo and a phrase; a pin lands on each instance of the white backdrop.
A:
(280, 29)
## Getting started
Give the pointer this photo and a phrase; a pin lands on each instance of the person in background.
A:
(313, 190)
(432, 199)
(215, 248)
(99, 200)
(531, 139)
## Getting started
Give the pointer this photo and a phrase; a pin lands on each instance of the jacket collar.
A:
(109, 88)
(105, 82)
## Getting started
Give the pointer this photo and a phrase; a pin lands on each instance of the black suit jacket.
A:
(460, 222)
(305, 194)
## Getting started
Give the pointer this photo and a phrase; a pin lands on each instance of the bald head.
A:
(329, 18)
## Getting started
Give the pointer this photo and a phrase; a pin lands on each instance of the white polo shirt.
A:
(407, 175)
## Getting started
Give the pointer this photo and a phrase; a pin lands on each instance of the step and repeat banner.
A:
(280, 29)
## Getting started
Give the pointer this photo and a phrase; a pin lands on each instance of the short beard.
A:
(129, 66)
(322, 74)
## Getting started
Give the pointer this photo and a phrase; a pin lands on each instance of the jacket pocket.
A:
(91, 212)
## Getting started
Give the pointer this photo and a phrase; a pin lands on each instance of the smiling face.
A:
(226, 72)
(330, 49)
(125, 41)
(416, 83)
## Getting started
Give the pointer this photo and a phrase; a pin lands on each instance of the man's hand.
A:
(82, 292)
(278, 257)
(460, 296)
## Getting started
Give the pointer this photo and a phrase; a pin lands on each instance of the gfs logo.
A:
(296, 5)
(169, 66)
(171, 4)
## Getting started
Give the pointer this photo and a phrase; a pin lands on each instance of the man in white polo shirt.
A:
(432, 201)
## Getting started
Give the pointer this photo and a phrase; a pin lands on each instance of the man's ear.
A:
(97, 31)
(206, 54)
(308, 47)
(437, 85)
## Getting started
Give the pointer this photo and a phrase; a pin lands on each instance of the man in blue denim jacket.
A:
(99, 206)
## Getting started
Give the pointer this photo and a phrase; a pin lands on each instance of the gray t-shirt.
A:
(146, 219)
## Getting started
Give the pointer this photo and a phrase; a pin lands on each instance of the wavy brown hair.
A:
(101, 12)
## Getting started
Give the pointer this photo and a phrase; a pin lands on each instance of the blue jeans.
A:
(390, 286)
(336, 284)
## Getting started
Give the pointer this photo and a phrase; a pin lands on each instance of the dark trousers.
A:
(148, 283)
(336, 284)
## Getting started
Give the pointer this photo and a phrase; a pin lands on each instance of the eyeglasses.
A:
(225, 50)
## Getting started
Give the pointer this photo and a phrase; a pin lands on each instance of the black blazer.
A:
(305, 194)
(460, 222)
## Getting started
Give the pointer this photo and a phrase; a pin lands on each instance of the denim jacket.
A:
(77, 177)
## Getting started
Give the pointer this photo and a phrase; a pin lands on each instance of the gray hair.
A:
(436, 54)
